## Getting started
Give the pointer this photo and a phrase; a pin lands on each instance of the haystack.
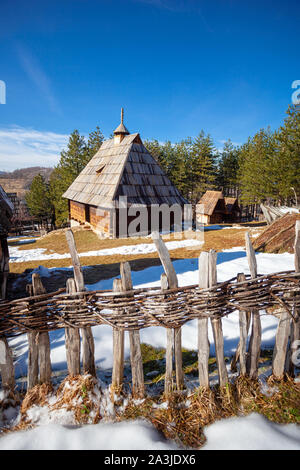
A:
(279, 237)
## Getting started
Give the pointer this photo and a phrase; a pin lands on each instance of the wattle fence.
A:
(126, 309)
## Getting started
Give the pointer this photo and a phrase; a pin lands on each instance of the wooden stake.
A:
(173, 283)
(203, 342)
(72, 340)
(118, 351)
(255, 339)
(134, 339)
(43, 338)
(241, 351)
(88, 347)
(169, 346)
(6, 365)
(216, 323)
(295, 325)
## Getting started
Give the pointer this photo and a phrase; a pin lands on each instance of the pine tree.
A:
(201, 166)
(38, 199)
(228, 164)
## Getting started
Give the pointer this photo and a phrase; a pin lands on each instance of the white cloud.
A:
(24, 147)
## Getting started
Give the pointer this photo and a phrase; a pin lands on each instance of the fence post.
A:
(169, 346)
(295, 325)
(203, 342)
(43, 338)
(33, 353)
(6, 365)
(72, 340)
(173, 283)
(136, 360)
(255, 338)
(118, 351)
(216, 323)
(244, 323)
(88, 347)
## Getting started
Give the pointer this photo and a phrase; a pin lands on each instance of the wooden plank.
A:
(169, 346)
(255, 338)
(173, 283)
(118, 352)
(6, 365)
(88, 346)
(72, 340)
(203, 342)
(244, 323)
(297, 246)
(251, 256)
(136, 361)
(78, 274)
(216, 323)
(295, 324)
(254, 346)
(281, 343)
(43, 338)
(165, 260)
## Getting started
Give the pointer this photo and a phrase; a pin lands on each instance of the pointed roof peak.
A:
(121, 129)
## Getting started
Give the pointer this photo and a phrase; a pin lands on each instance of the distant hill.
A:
(23, 176)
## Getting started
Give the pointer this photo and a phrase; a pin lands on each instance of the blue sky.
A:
(175, 66)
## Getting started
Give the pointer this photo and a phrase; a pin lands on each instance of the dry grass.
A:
(185, 417)
(86, 240)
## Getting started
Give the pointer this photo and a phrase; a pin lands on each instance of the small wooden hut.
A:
(211, 208)
(122, 167)
(233, 210)
(214, 208)
(6, 212)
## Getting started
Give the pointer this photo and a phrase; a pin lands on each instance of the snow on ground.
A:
(252, 432)
(21, 256)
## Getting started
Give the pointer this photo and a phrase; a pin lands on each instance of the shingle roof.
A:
(124, 169)
(208, 202)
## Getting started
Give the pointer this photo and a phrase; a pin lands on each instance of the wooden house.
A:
(233, 210)
(122, 167)
(213, 208)
(6, 212)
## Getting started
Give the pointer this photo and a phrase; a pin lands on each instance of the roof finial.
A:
(122, 115)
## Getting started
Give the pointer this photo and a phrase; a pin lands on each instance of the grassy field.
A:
(86, 240)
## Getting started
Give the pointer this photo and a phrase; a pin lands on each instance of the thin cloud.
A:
(37, 75)
(24, 147)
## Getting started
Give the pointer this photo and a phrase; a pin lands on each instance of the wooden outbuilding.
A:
(6, 212)
(214, 208)
(122, 168)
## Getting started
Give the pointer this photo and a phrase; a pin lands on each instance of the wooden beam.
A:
(216, 323)
(203, 342)
(88, 347)
(43, 338)
(255, 338)
(165, 259)
(169, 346)
(137, 371)
(72, 340)
(118, 352)
(6, 365)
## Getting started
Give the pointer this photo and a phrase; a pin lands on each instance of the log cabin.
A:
(122, 169)
(213, 208)
(6, 212)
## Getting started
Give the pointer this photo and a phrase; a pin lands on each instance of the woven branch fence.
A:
(169, 306)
